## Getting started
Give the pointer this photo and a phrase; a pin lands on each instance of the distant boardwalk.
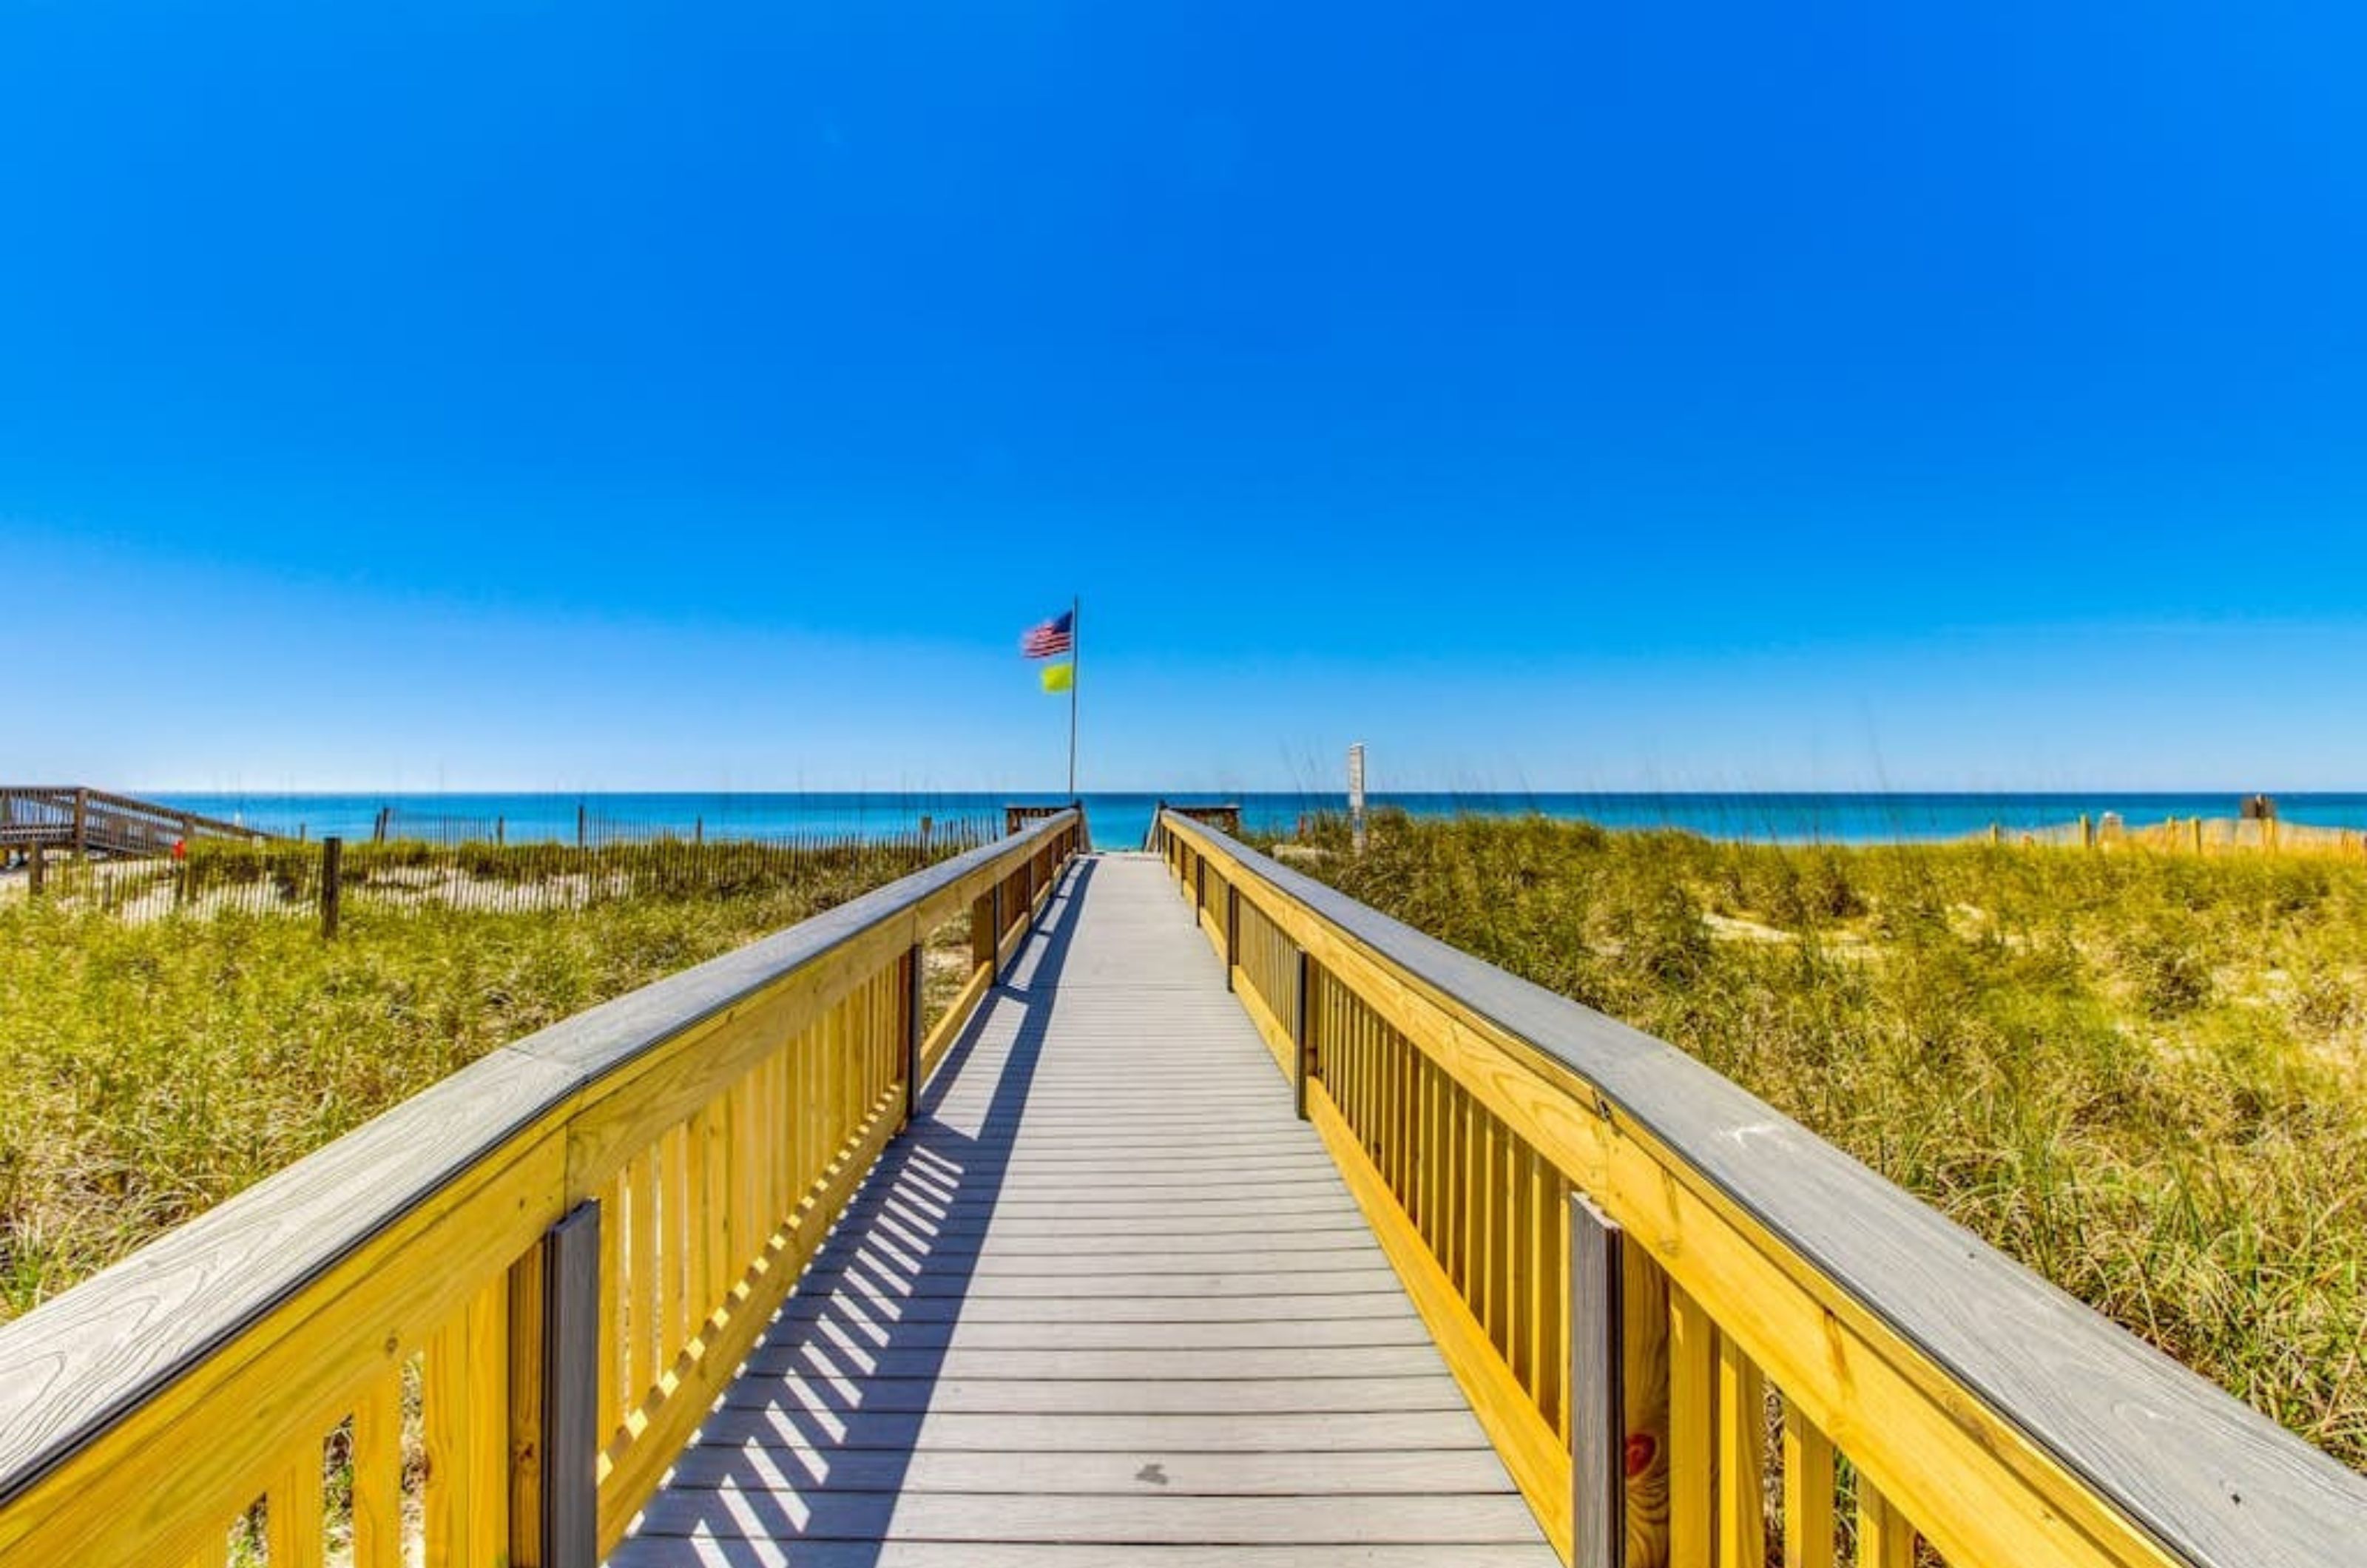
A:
(1107, 1300)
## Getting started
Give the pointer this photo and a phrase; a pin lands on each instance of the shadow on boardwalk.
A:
(809, 1455)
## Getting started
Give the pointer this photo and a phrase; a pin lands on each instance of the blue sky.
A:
(1557, 395)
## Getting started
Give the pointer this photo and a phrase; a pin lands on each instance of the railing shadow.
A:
(815, 1440)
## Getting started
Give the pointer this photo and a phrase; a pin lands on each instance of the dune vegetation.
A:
(2144, 1075)
(150, 1068)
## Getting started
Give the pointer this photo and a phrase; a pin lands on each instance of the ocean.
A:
(1119, 820)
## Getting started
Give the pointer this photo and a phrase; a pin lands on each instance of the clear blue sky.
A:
(1551, 395)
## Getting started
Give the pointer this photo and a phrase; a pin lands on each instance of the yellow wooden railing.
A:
(477, 1330)
(1697, 1334)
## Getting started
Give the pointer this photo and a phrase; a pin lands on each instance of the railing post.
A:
(1232, 931)
(914, 968)
(1300, 1066)
(36, 868)
(1598, 1397)
(333, 861)
(994, 954)
(981, 932)
(562, 1447)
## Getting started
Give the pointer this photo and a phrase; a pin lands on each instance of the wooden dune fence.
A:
(2191, 835)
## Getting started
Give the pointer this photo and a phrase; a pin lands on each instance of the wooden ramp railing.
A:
(545, 1266)
(1694, 1330)
(83, 819)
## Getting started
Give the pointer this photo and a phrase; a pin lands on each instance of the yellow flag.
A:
(1060, 677)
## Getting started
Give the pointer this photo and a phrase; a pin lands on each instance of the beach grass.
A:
(2144, 1075)
(151, 1068)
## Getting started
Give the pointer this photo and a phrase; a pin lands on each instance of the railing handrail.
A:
(78, 1363)
(2210, 1479)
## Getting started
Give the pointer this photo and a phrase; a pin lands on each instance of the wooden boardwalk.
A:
(1106, 1302)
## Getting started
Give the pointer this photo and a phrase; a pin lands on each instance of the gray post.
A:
(1598, 1394)
(1232, 931)
(1300, 1065)
(579, 825)
(36, 868)
(571, 1383)
(333, 860)
(82, 821)
(914, 1003)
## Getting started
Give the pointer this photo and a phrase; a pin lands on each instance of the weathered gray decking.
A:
(1107, 1302)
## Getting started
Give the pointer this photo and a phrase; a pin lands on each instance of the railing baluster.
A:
(1884, 1539)
(1809, 1515)
(645, 1299)
(293, 1513)
(1692, 1429)
(914, 967)
(1302, 1035)
(1741, 1464)
(377, 1464)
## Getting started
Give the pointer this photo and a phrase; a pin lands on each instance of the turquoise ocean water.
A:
(1120, 820)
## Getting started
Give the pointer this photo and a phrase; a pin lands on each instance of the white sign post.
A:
(1356, 795)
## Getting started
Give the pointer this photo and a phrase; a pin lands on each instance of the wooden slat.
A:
(293, 1518)
(675, 1224)
(614, 1337)
(1808, 1514)
(522, 1400)
(466, 1429)
(1741, 1459)
(1692, 1430)
(378, 1473)
(644, 1307)
(1884, 1539)
(1646, 1297)
(701, 1265)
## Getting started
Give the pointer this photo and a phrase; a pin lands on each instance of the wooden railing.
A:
(480, 1328)
(1224, 817)
(1019, 818)
(78, 818)
(1694, 1330)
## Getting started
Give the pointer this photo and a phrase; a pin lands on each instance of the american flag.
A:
(1049, 637)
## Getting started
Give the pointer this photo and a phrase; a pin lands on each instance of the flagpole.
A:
(1076, 647)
